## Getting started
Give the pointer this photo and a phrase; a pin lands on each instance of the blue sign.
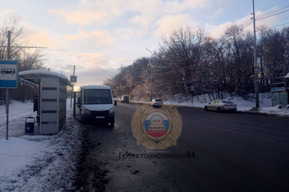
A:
(192, 88)
(73, 79)
(257, 69)
(8, 74)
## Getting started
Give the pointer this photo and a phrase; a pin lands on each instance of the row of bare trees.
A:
(192, 58)
(27, 59)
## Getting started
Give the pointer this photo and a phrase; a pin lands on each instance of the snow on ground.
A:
(276, 110)
(17, 113)
(37, 163)
(15, 154)
(243, 104)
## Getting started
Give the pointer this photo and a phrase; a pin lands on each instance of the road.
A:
(233, 152)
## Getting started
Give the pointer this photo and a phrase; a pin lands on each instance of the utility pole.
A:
(255, 59)
(130, 89)
(151, 83)
(72, 86)
(7, 90)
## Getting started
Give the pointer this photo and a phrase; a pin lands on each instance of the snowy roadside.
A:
(244, 105)
(38, 163)
(17, 113)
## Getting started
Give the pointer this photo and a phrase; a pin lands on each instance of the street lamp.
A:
(151, 84)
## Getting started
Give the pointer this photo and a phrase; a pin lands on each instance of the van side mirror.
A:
(115, 103)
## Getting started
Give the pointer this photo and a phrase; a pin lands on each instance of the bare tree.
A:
(26, 60)
(213, 66)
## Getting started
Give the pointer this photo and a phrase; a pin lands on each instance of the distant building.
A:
(280, 95)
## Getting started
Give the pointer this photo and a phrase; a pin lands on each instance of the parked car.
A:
(157, 103)
(125, 99)
(221, 105)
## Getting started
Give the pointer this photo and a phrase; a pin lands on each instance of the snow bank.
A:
(276, 110)
(244, 104)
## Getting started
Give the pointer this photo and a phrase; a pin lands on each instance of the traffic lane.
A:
(232, 151)
(257, 124)
(271, 128)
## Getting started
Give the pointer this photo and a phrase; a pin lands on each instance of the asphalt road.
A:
(233, 152)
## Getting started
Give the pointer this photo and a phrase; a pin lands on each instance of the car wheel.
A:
(83, 120)
(206, 108)
(218, 109)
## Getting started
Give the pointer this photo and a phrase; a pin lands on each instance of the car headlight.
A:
(111, 111)
(85, 111)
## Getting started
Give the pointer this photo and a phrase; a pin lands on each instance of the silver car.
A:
(221, 105)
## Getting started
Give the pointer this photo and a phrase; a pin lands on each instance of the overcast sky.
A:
(99, 36)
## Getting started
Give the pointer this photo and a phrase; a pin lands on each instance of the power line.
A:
(273, 10)
(266, 15)
(171, 65)
(247, 21)
(272, 5)
(243, 26)
(273, 13)
(246, 25)
(173, 71)
(26, 47)
(278, 13)
(279, 25)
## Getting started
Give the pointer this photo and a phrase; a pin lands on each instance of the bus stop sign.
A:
(73, 79)
(8, 74)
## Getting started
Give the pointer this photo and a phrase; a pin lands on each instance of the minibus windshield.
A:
(97, 96)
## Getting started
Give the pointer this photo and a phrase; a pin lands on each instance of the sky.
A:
(100, 36)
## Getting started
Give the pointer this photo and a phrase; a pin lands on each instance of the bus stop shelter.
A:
(51, 98)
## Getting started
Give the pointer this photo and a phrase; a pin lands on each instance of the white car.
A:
(125, 99)
(94, 103)
(221, 105)
(157, 103)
